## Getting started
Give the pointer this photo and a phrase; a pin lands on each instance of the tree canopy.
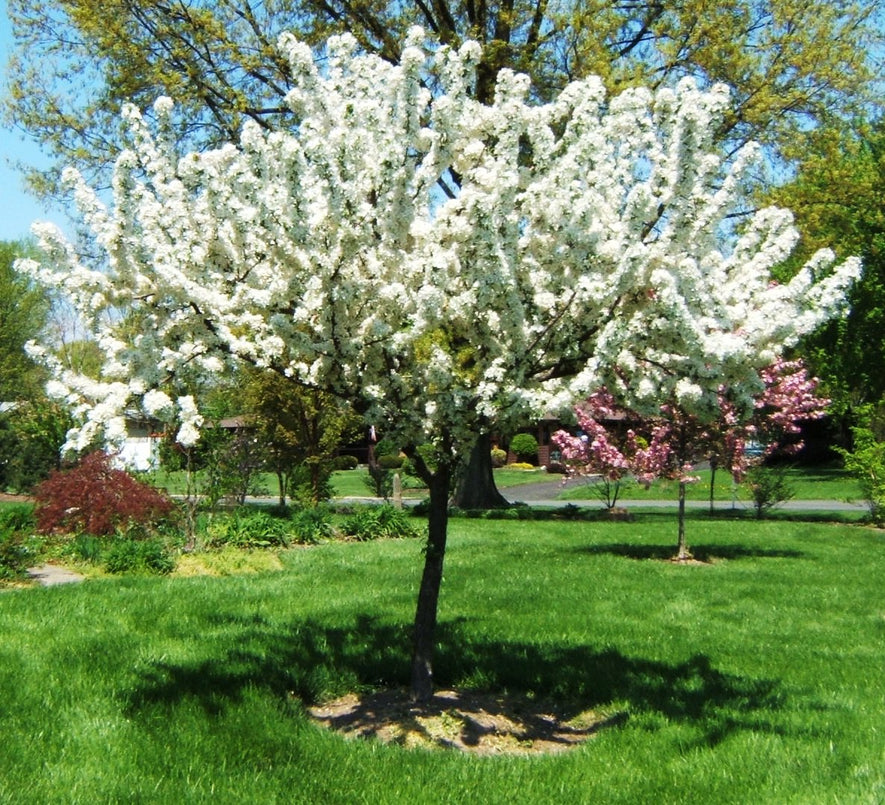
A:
(838, 197)
(24, 308)
(587, 242)
(790, 63)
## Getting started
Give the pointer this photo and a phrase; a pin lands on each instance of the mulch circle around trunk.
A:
(485, 724)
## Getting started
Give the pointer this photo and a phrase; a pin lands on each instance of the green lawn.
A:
(352, 483)
(808, 483)
(755, 677)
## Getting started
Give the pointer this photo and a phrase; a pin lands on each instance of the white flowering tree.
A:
(587, 244)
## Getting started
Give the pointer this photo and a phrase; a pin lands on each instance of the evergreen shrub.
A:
(525, 447)
(345, 462)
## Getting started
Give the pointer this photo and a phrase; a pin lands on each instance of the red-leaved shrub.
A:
(95, 498)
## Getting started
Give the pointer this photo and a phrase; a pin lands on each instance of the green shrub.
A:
(525, 447)
(313, 524)
(139, 556)
(16, 549)
(379, 522)
(345, 462)
(866, 463)
(248, 528)
(499, 457)
(768, 487)
(390, 462)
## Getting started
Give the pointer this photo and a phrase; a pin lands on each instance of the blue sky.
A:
(17, 209)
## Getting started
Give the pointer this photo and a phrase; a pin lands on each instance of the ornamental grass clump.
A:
(249, 528)
(379, 522)
(97, 498)
(148, 556)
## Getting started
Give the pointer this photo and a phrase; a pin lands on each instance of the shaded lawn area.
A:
(752, 678)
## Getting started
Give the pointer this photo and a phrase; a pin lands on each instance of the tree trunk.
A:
(714, 464)
(477, 489)
(682, 552)
(281, 482)
(428, 594)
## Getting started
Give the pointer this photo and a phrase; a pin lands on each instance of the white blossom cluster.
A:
(583, 243)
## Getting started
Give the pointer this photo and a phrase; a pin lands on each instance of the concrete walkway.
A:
(52, 575)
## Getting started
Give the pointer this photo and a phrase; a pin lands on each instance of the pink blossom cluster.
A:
(598, 451)
(790, 396)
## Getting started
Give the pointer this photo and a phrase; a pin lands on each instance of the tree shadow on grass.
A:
(312, 661)
(702, 553)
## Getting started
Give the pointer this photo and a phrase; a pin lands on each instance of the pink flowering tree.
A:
(442, 264)
(611, 448)
(608, 452)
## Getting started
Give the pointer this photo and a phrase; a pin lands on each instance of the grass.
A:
(351, 483)
(752, 678)
(808, 483)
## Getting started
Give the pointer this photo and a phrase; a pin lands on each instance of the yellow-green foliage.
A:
(227, 562)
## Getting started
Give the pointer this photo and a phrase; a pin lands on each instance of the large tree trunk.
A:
(477, 489)
(428, 594)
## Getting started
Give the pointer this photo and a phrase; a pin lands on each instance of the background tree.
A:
(24, 308)
(299, 431)
(32, 429)
(585, 245)
(32, 435)
(76, 62)
(838, 196)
